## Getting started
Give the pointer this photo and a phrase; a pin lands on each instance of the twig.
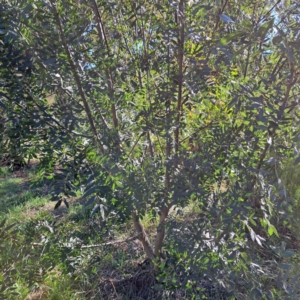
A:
(110, 243)
(99, 245)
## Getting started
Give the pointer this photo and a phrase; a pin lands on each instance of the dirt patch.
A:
(137, 286)
(49, 207)
(144, 285)
(38, 294)
(22, 172)
(62, 209)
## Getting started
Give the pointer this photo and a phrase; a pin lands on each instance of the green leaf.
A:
(89, 192)
(297, 160)
(272, 230)
(158, 287)
(255, 294)
(263, 29)
(90, 201)
(288, 253)
(285, 266)
(57, 205)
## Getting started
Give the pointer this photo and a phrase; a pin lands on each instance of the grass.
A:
(42, 245)
(33, 271)
(18, 199)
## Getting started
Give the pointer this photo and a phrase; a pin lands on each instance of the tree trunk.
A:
(161, 231)
(142, 235)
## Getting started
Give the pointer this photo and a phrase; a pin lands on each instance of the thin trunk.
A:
(108, 73)
(142, 235)
(76, 77)
(150, 145)
(161, 232)
(180, 19)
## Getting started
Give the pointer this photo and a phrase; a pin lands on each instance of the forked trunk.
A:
(143, 237)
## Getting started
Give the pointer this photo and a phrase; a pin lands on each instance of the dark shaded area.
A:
(18, 61)
(145, 285)
(13, 162)
(15, 195)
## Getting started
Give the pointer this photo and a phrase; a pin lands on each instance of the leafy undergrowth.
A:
(41, 255)
(67, 254)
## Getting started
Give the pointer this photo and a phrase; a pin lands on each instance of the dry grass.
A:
(50, 99)
(42, 293)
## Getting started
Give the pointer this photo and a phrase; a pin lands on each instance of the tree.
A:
(15, 70)
(162, 103)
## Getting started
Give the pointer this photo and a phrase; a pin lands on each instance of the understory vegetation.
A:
(149, 149)
(69, 254)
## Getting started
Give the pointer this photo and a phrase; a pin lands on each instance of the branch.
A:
(98, 245)
(137, 140)
(110, 243)
(270, 10)
(247, 61)
(150, 145)
(76, 77)
(273, 133)
(180, 73)
(217, 25)
(108, 73)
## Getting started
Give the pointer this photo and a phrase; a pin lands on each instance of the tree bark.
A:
(161, 231)
(142, 235)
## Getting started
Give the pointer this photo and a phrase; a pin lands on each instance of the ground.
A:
(66, 254)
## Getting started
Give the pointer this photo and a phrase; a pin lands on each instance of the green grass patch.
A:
(27, 270)
(17, 198)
